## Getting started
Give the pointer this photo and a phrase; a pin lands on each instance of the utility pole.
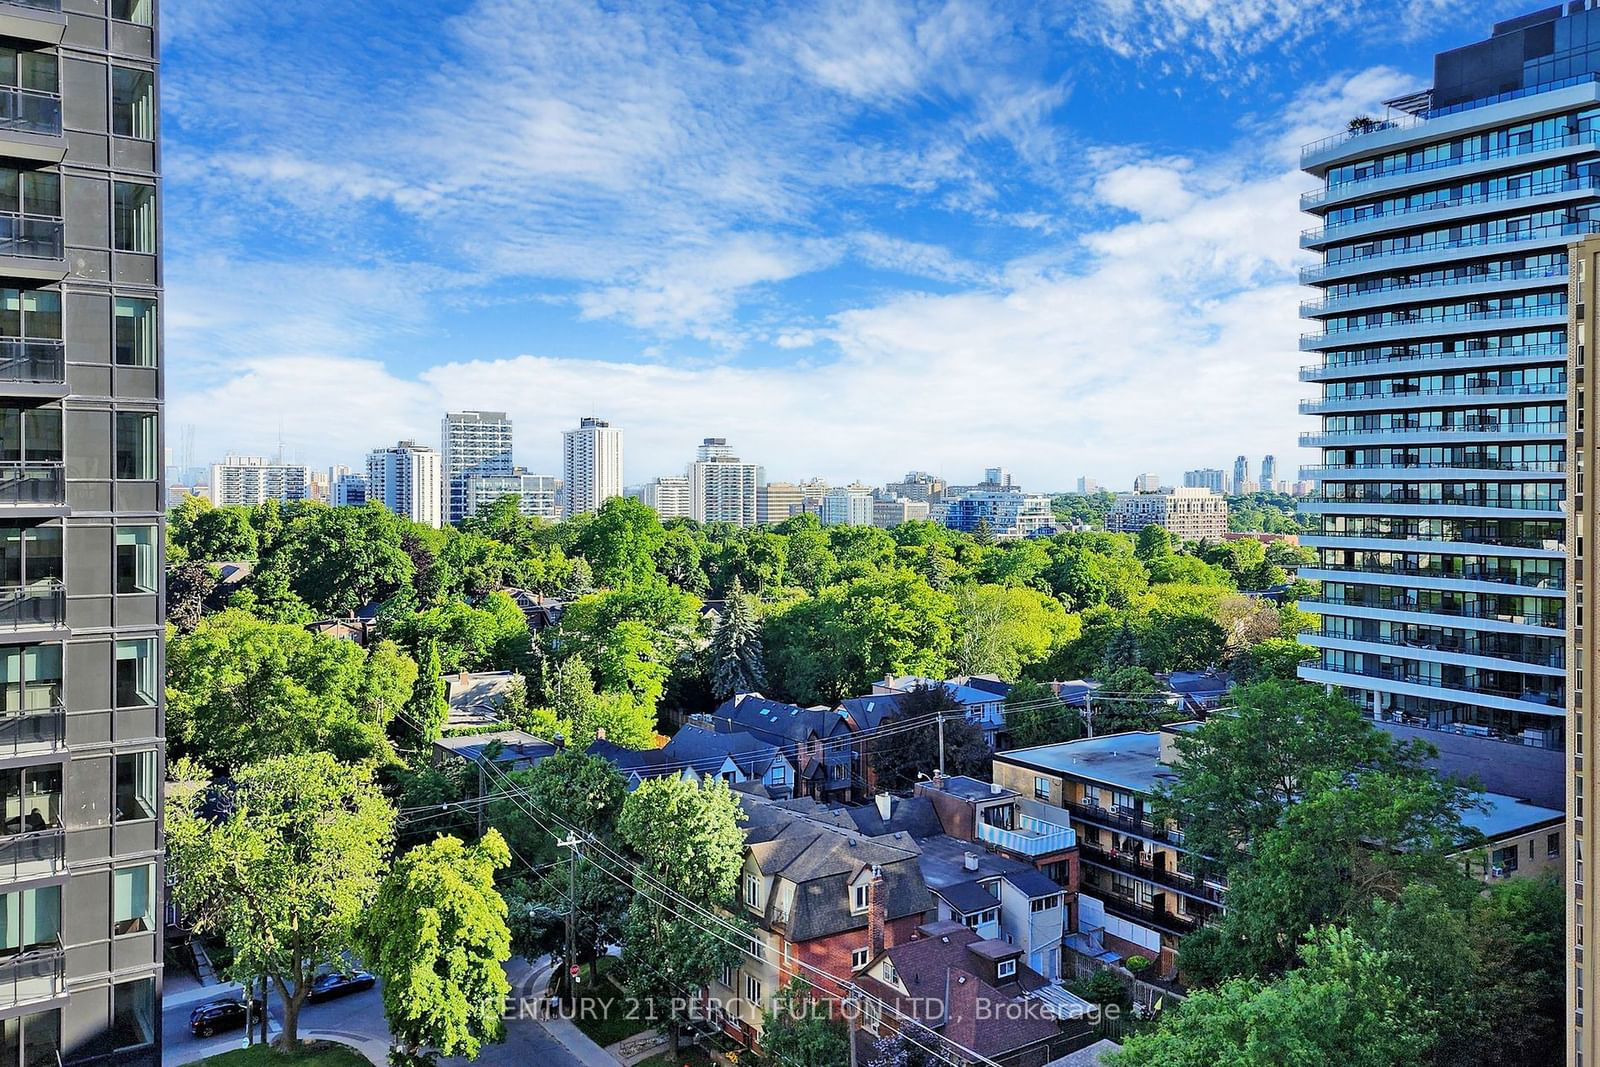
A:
(941, 742)
(851, 1011)
(1088, 706)
(571, 843)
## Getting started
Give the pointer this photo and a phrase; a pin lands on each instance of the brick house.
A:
(820, 894)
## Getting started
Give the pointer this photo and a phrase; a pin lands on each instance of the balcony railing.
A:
(1032, 837)
(1552, 429)
(35, 604)
(32, 236)
(1530, 466)
(1332, 231)
(1331, 301)
(1457, 646)
(33, 853)
(1409, 677)
(1554, 619)
(1317, 197)
(32, 482)
(1309, 275)
(1311, 406)
(36, 5)
(1469, 535)
(1143, 914)
(25, 359)
(1119, 818)
(1522, 354)
(1464, 574)
(1412, 121)
(39, 721)
(1534, 311)
(39, 973)
(1445, 500)
(27, 111)
(1133, 864)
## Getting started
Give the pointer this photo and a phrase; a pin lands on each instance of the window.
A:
(1006, 969)
(752, 890)
(135, 331)
(135, 445)
(32, 1040)
(862, 898)
(1552, 846)
(32, 798)
(136, 786)
(133, 889)
(1044, 903)
(727, 975)
(30, 192)
(752, 989)
(1041, 788)
(755, 948)
(30, 919)
(30, 435)
(136, 559)
(132, 1013)
(131, 11)
(30, 678)
(31, 314)
(133, 217)
(37, 71)
(1504, 860)
(136, 673)
(860, 958)
(133, 99)
(30, 555)
(889, 973)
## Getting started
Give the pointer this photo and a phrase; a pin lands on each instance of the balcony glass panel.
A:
(32, 799)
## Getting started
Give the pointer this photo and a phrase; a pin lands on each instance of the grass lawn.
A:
(603, 1010)
(320, 1054)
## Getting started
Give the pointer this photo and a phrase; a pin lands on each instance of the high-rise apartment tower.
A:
(591, 465)
(471, 442)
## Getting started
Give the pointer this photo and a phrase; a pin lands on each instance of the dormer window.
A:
(1006, 969)
(752, 890)
(862, 898)
(888, 971)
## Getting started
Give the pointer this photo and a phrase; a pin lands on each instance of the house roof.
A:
(1130, 761)
(475, 699)
(1504, 816)
(517, 749)
(939, 970)
(909, 815)
(966, 898)
(986, 683)
(964, 694)
(777, 722)
(821, 860)
(869, 712)
(705, 749)
(1032, 883)
(966, 788)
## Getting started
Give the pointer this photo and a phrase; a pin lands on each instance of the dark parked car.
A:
(328, 986)
(225, 1014)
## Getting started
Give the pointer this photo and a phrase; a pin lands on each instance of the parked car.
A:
(225, 1014)
(329, 986)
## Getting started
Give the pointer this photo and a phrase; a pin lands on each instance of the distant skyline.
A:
(951, 232)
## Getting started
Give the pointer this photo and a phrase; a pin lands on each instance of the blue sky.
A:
(854, 237)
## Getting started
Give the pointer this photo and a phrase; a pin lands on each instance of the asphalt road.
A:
(359, 1017)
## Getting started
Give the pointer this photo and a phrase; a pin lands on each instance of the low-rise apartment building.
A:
(1139, 891)
(1190, 514)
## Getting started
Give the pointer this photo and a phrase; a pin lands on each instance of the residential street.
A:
(358, 1020)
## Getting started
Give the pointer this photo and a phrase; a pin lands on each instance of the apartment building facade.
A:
(1205, 478)
(1441, 347)
(591, 466)
(723, 488)
(81, 635)
(538, 495)
(250, 480)
(471, 443)
(1191, 514)
(669, 496)
(847, 505)
(408, 480)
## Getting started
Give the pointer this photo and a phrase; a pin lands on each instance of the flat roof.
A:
(1504, 816)
(1130, 761)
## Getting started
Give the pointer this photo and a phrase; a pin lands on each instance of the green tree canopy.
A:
(285, 871)
(621, 541)
(738, 664)
(436, 937)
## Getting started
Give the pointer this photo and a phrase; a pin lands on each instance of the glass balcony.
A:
(27, 111)
(1525, 353)
(1320, 437)
(39, 972)
(1311, 407)
(1331, 303)
(1557, 466)
(1444, 500)
(32, 360)
(1533, 651)
(1402, 673)
(1336, 231)
(32, 482)
(34, 719)
(1554, 619)
(1376, 261)
(33, 605)
(32, 237)
(1030, 837)
(1317, 197)
(1475, 573)
(1311, 340)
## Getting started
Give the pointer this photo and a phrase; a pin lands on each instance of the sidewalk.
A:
(372, 1048)
(578, 1044)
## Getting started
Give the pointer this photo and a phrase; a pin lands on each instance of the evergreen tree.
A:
(983, 533)
(427, 711)
(1123, 651)
(580, 580)
(737, 664)
(934, 569)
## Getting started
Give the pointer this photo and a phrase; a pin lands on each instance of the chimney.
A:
(600, 734)
(885, 804)
(876, 911)
(995, 789)
(970, 861)
(464, 676)
(888, 681)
